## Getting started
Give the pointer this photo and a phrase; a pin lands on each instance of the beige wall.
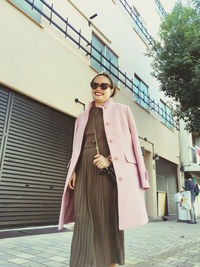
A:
(34, 63)
(185, 145)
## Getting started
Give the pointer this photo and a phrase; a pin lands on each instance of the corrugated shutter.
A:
(161, 183)
(166, 179)
(34, 159)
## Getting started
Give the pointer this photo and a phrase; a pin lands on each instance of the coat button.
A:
(121, 179)
(115, 158)
(110, 140)
(107, 123)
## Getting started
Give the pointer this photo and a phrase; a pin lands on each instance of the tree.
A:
(176, 61)
(196, 4)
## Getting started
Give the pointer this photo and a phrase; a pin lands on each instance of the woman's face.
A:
(100, 96)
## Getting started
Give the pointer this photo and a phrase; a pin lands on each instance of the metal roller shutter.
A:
(161, 183)
(166, 179)
(37, 148)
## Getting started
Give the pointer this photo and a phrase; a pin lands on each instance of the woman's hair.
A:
(110, 79)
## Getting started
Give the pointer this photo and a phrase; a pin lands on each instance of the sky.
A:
(168, 4)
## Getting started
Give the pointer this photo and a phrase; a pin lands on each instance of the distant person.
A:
(190, 186)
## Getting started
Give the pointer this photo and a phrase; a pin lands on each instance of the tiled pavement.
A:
(161, 244)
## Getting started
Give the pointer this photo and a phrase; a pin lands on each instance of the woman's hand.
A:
(101, 162)
(72, 181)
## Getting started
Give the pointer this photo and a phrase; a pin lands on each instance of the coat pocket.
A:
(130, 158)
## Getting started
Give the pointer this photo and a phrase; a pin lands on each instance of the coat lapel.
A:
(83, 119)
(85, 115)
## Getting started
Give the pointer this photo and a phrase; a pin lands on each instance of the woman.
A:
(104, 135)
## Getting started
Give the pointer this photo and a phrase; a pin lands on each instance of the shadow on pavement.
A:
(28, 232)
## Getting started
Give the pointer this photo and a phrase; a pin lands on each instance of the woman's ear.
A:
(112, 91)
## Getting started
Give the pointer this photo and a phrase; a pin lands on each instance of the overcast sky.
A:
(168, 4)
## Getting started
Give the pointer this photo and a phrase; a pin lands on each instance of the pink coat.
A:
(128, 163)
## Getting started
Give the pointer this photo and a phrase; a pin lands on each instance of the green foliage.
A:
(176, 61)
(196, 4)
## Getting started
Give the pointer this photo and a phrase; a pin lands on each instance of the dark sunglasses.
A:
(103, 86)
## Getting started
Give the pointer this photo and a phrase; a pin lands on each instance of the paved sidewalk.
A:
(155, 244)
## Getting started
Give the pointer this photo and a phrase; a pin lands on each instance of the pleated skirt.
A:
(97, 240)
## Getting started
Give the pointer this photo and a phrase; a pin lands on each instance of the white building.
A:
(49, 54)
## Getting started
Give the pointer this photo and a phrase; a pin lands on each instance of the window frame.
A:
(28, 10)
(141, 94)
(166, 115)
(105, 61)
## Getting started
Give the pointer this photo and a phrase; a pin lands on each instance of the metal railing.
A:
(87, 46)
(131, 12)
(160, 8)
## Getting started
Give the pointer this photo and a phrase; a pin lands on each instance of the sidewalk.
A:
(155, 244)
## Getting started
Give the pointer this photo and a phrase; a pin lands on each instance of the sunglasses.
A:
(103, 86)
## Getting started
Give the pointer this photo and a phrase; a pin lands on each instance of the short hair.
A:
(187, 175)
(110, 79)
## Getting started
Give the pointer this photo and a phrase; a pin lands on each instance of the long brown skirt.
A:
(97, 240)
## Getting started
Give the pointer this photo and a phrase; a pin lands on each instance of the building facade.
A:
(190, 158)
(50, 51)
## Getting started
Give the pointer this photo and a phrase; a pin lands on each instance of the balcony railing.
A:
(86, 46)
(160, 9)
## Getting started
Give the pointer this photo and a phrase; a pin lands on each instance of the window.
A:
(193, 139)
(194, 155)
(166, 115)
(160, 9)
(27, 8)
(140, 26)
(141, 93)
(109, 57)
